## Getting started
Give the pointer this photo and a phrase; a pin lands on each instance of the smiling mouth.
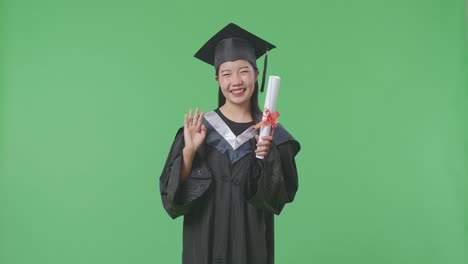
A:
(238, 91)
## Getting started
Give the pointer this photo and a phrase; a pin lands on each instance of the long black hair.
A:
(254, 108)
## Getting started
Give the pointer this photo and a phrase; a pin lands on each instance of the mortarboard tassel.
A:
(265, 62)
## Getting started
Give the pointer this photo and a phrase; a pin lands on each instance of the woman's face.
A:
(237, 81)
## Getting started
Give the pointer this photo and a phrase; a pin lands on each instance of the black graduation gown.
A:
(229, 198)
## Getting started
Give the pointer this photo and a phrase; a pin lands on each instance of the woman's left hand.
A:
(264, 146)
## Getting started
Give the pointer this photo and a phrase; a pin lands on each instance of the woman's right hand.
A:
(194, 131)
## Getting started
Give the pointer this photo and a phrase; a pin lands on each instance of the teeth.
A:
(238, 91)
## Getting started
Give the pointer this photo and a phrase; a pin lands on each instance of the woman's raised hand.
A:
(194, 131)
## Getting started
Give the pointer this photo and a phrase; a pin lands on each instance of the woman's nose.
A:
(236, 79)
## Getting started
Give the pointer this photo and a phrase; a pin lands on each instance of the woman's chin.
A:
(239, 100)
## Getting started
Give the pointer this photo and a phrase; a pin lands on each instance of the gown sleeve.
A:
(179, 197)
(273, 181)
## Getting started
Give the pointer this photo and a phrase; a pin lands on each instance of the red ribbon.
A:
(270, 119)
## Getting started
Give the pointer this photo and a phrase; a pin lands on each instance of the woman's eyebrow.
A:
(240, 68)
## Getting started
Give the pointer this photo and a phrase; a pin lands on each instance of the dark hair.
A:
(254, 108)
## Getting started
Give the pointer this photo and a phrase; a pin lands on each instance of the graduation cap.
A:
(235, 43)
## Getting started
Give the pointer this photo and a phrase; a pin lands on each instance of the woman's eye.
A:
(244, 72)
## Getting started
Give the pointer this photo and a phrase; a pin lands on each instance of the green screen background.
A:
(92, 93)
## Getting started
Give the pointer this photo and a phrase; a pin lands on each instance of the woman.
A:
(228, 196)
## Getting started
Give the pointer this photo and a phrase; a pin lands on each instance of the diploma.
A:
(270, 105)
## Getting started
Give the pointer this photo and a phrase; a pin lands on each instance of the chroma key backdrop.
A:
(93, 92)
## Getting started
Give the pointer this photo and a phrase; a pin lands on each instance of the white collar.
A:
(223, 129)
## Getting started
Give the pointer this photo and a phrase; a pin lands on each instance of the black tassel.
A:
(265, 62)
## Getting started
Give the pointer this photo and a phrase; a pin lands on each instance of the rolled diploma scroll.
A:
(270, 103)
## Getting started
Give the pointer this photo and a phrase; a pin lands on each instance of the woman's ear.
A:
(216, 78)
(256, 75)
